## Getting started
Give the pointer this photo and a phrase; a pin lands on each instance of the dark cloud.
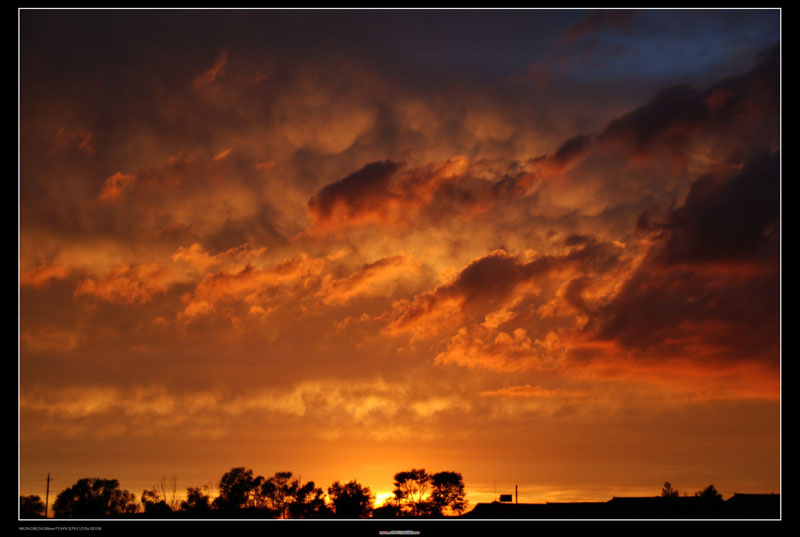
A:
(712, 274)
(386, 193)
(674, 115)
(682, 312)
(571, 149)
(356, 192)
(734, 219)
(489, 282)
(576, 239)
(598, 21)
(669, 117)
(732, 116)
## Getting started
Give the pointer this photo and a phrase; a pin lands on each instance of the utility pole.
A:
(516, 494)
(47, 495)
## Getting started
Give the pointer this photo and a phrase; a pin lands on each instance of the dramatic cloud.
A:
(727, 219)
(499, 281)
(712, 273)
(367, 279)
(126, 284)
(384, 193)
(352, 242)
(248, 285)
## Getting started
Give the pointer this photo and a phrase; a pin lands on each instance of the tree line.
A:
(709, 493)
(416, 493)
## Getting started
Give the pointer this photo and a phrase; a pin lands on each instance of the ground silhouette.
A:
(417, 494)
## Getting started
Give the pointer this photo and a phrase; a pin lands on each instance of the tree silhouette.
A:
(279, 492)
(667, 491)
(709, 494)
(168, 491)
(308, 502)
(94, 498)
(238, 489)
(154, 504)
(196, 501)
(288, 498)
(31, 506)
(447, 494)
(410, 489)
(351, 500)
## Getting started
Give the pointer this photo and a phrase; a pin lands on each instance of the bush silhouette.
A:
(196, 501)
(94, 498)
(667, 491)
(31, 506)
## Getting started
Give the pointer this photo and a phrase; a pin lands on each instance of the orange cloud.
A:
(479, 347)
(492, 283)
(264, 166)
(213, 73)
(222, 154)
(50, 340)
(197, 257)
(41, 275)
(688, 373)
(78, 137)
(367, 279)
(248, 284)
(569, 155)
(528, 391)
(127, 285)
(116, 186)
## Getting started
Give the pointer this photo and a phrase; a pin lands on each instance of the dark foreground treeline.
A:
(417, 493)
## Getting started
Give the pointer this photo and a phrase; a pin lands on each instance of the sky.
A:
(537, 247)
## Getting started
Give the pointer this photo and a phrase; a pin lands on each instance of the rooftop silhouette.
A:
(738, 506)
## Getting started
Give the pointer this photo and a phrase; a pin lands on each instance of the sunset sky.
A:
(537, 247)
